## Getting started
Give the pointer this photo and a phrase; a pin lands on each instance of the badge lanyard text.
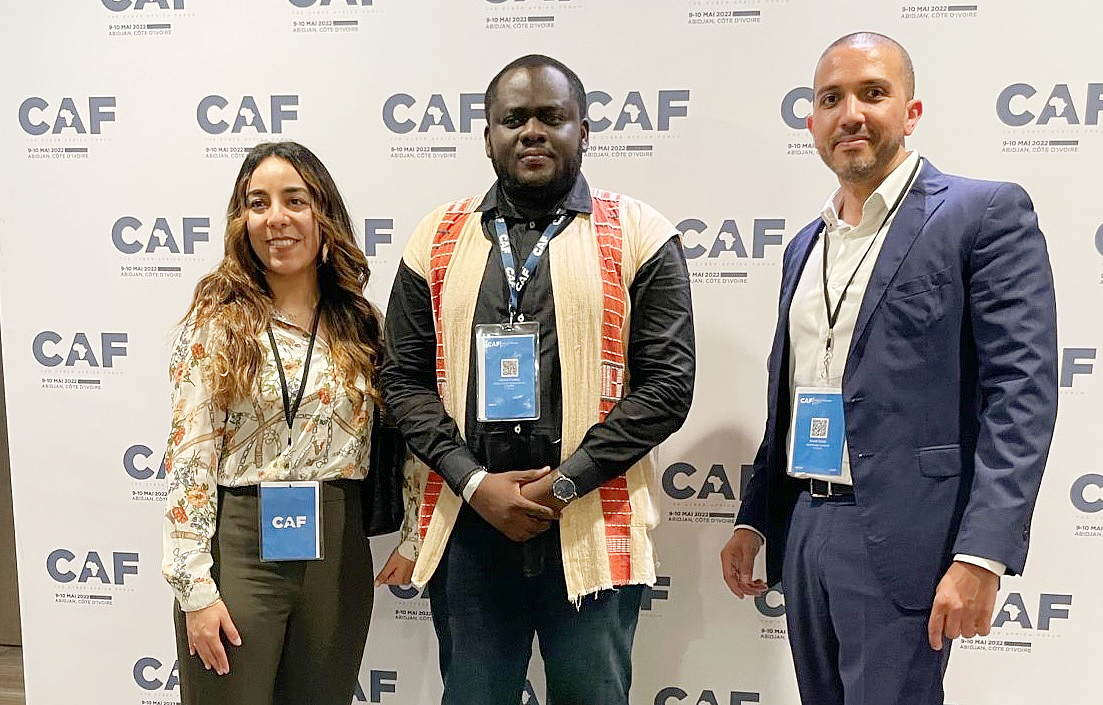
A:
(516, 281)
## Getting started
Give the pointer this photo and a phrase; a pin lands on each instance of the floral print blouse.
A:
(248, 443)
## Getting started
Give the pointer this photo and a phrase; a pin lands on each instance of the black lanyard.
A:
(833, 316)
(289, 409)
(517, 281)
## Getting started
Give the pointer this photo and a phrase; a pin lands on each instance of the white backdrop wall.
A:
(123, 122)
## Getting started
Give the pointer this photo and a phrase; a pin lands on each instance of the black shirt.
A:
(660, 362)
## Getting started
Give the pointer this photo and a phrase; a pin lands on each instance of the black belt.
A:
(822, 489)
(340, 483)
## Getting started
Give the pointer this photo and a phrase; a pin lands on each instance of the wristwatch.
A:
(563, 488)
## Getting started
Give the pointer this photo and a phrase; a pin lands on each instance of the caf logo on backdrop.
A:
(703, 496)
(403, 113)
(66, 116)
(1054, 115)
(78, 350)
(1015, 612)
(423, 123)
(63, 127)
(216, 114)
(78, 360)
(655, 113)
(683, 481)
(1021, 104)
(91, 578)
(724, 254)
(700, 241)
(159, 235)
(65, 566)
(156, 247)
(1023, 622)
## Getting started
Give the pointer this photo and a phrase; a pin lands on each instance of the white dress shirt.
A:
(851, 251)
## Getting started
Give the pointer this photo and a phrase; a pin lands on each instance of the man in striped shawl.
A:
(540, 344)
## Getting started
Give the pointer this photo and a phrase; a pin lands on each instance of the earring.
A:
(325, 253)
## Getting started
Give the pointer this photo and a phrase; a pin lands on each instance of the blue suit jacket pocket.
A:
(940, 461)
(914, 304)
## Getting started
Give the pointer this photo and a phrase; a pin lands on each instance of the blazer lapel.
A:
(806, 238)
(915, 210)
(802, 247)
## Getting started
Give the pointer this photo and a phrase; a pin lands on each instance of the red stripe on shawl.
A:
(615, 505)
(440, 256)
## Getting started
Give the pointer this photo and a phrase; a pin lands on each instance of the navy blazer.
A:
(949, 388)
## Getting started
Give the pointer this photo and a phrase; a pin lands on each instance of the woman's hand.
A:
(399, 570)
(205, 629)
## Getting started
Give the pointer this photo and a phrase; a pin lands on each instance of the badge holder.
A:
(508, 371)
(817, 434)
(291, 521)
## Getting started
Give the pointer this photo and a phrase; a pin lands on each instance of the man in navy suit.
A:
(919, 311)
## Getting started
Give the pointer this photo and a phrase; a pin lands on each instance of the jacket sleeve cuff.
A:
(473, 483)
(986, 563)
(748, 527)
(457, 469)
(582, 469)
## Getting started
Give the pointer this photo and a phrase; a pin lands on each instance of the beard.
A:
(862, 168)
(542, 194)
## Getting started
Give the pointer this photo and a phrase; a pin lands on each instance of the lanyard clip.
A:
(828, 354)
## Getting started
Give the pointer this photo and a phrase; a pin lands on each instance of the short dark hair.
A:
(531, 61)
(856, 38)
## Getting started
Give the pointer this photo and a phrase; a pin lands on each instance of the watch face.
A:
(563, 488)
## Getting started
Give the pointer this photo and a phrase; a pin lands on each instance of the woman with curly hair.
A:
(275, 381)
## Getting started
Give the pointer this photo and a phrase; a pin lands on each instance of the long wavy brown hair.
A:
(236, 302)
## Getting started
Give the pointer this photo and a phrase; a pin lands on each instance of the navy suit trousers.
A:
(851, 644)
